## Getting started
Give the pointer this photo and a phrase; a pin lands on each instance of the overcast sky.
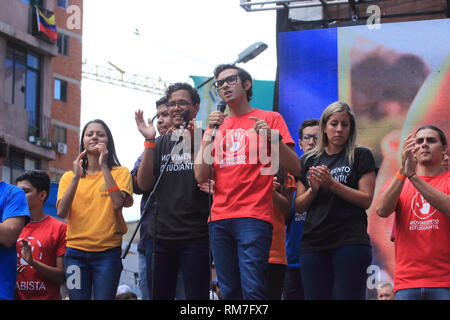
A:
(170, 40)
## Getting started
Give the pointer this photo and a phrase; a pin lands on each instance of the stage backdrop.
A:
(396, 78)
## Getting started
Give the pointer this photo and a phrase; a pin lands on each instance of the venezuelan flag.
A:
(46, 25)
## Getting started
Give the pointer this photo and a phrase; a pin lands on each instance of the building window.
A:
(15, 164)
(63, 44)
(22, 81)
(63, 3)
(39, 3)
(59, 134)
(60, 90)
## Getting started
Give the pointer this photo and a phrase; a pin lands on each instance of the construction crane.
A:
(125, 79)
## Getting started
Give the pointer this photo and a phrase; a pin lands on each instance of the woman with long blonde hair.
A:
(335, 188)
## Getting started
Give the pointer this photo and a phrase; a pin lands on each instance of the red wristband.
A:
(112, 189)
(400, 176)
(149, 144)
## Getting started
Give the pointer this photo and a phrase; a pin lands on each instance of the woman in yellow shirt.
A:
(91, 197)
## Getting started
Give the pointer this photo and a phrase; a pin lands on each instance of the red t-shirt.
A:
(422, 238)
(47, 239)
(243, 167)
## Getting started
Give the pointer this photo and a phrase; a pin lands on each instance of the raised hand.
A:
(261, 127)
(146, 129)
(103, 151)
(408, 160)
(78, 164)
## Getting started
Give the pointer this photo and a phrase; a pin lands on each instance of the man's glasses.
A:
(308, 137)
(180, 103)
(229, 80)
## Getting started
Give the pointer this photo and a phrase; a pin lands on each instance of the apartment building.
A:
(40, 85)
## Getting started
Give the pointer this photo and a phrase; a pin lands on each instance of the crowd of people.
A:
(238, 201)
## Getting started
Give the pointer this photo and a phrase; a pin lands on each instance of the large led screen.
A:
(396, 78)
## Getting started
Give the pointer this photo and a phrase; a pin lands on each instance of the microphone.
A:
(186, 116)
(220, 107)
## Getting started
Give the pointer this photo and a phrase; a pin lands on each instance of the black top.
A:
(182, 208)
(331, 221)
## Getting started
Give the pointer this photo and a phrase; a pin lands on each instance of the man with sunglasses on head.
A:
(178, 225)
(241, 214)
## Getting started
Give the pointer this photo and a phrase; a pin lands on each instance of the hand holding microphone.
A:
(216, 118)
(186, 116)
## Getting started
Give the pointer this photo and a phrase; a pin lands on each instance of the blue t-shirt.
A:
(13, 203)
(294, 230)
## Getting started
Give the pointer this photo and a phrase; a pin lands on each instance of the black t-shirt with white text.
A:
(182, 208)
(333, 222)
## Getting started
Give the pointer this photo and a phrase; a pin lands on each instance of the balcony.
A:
(39, 130)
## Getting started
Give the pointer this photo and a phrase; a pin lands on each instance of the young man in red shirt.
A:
(248, 149)
(41, 245)
(420, 197)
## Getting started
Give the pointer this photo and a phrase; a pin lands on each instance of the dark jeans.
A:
(97, 272)
(240, 249)
(190, 258)
(336, 274)
(423, 294)
(276, 280)
(293, 287)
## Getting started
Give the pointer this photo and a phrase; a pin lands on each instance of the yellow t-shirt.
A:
(92, 224)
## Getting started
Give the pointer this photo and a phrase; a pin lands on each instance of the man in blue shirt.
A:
(293, 289)
(14, 214)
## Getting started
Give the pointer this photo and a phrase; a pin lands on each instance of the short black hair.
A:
(439, 131)
(161, 101)
(126, 296)
(195, 97)
(307, 123)
(4, 147)
(243, 74)
(39, 179)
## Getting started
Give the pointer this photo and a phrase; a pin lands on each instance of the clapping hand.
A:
(408, 160)
(321, 175)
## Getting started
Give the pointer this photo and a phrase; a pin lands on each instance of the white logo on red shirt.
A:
(234, 141)
(421, 208)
